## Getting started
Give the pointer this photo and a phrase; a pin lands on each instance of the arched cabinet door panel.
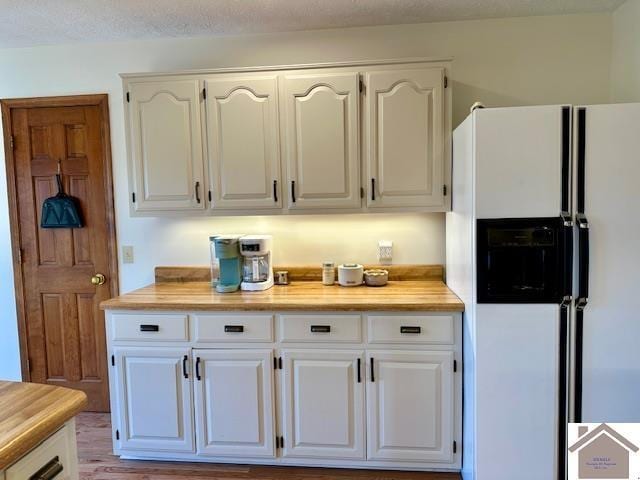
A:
(243, 151)
(166, 146)
(320, 138)
(405, 138)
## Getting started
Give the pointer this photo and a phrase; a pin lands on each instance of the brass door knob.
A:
(98, 279)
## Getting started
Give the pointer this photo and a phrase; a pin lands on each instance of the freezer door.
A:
(522, 156)
(607, 178)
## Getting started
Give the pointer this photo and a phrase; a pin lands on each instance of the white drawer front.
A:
(320, 328)
(161, 327)
(232, 328)
(426, 329)
(60, 445)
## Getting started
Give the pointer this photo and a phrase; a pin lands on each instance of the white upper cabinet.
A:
(243, 149)
(283, 140)
(320, 139)
(165, 145)
(405, 138)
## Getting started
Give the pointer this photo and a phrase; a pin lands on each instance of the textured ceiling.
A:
(39, 22)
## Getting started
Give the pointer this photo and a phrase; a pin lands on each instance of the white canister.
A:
(350, 274)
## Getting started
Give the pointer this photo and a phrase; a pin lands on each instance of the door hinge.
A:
(113, 360)
(275, 367)
(12, 143)
(361, 86)
(455, 366)
(20, 256)
(455, 447)
(444, 190)
(280, 363)
(446, 81)
(281, 442)
(28, 365)
(128, 98)
(133, 197)
(204, 93)
(361, 192)
(117, 434)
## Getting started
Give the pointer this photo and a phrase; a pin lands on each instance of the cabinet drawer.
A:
(320, 328)
(233, 328)
(427, 329)
(165, 327)
(57, 453)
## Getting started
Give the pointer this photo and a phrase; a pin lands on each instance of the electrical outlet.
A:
(127, 254)
(385, 252)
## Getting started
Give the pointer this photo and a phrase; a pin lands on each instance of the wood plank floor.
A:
(97, 463)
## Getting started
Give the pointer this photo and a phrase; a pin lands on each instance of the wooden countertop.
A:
(403, 295)
(29, 413)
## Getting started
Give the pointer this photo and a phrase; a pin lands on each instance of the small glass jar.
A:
(328, 273)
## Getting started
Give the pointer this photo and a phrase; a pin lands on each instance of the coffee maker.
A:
(257, 270)
(226, 249)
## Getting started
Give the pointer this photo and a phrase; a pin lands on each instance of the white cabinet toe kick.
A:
(335, 389)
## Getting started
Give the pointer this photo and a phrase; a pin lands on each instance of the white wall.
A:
(536, 60)
(625, 55)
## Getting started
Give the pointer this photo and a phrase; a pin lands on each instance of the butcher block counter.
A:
(30, 416)
(242, 372)
(411, 288)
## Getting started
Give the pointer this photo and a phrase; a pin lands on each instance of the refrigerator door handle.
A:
(583, 261)
(567, 254)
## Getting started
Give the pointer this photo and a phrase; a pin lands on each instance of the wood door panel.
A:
(52, 329)
(62, 324)
(88, 329)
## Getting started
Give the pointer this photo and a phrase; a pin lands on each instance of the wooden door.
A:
(405, 150)
(166, 146)
(234, 403)
(410, 406)
(243, 150)
(321, 140)
(61, 326)
(154, 399)
(323, 404)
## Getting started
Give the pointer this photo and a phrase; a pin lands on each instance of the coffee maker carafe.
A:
(257, 271)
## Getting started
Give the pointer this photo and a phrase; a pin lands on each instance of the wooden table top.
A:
(404, 295)
(31, 412)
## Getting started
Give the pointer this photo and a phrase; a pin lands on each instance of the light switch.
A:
(127, 254)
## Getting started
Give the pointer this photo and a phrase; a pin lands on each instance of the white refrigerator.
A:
(531, 367)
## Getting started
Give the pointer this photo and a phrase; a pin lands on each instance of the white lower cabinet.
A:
(410, 406)
(154, 399)
(234, 402)
(377, 390)
(323, 404)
